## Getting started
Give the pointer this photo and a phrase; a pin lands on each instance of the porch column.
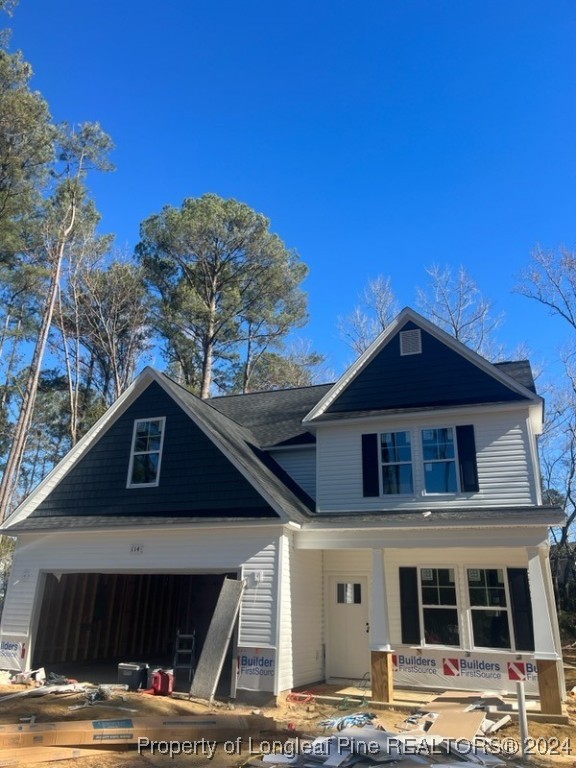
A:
(550, 678)
(380, 648)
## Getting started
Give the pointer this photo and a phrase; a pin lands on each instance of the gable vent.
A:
(411, 342)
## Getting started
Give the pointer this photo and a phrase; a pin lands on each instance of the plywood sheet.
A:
(216, 642)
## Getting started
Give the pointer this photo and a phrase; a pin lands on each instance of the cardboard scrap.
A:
(466, 701)
(454, 724)
(457, 715)
(129, 730)
(33, 755)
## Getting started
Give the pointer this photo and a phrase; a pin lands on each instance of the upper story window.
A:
(439, 456)
(434, 460)
(146, 455)
(396, 453)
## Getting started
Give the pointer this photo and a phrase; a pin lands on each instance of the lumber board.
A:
(34, 755)
(549, 687)
(128, 730)
(382, 676)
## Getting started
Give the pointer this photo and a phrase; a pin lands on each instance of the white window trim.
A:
(456, 607)
(464, 610)
(417, 462)
(507, 609)
(448, 494)
(129, 484)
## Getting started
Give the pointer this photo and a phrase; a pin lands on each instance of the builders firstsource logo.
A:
(471, 668)
(417, 664)
(10, 649)
(519, 671)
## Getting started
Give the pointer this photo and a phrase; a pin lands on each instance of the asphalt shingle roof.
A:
(274, 418)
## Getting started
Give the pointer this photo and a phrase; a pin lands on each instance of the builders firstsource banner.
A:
(12, 653)
(459, 671)
(256, 669)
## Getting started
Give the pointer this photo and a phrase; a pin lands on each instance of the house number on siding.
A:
(136, 549)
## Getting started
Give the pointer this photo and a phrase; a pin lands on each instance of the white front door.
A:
(348, 638)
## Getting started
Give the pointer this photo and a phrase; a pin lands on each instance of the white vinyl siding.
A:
(300, 464)
(504, 458)
(258, 607)
(300, 648)
(307, 616)
(348, 561)
(19, 604)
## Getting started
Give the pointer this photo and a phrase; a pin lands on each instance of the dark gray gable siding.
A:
(196, 479)
(438, 376)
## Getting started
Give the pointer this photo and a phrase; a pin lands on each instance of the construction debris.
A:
(103, 693)
(369, 747)
(43, 690)
(34, 755)
(130, 730)
(357, 720)
(355, 739)
(457, 716)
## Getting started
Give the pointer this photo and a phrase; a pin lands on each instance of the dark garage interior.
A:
(103, 619)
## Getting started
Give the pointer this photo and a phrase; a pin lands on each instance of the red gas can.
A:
(162, 682)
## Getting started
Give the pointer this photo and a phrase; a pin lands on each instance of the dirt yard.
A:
(291, 719)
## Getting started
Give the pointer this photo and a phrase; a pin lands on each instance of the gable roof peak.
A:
(384, 361)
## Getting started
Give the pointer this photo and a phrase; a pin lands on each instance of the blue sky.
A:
(379, 136)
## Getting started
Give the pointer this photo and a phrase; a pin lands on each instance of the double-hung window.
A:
(432, 460)
(489, 607)
(497, 602)
(396, 455)
(146, 454)
(439, 457)
(439, 606)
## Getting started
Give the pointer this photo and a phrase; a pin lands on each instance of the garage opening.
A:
(113, 617)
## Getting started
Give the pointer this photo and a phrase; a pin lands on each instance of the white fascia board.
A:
(405, 315)
(241, 525)
(416, 415)
(501, 537)
(82, 446)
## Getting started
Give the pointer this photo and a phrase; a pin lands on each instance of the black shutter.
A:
(409, 612)
(467, 458)
(521, 605)
(370, 470)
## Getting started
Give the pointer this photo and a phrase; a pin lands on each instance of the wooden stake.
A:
(382, 678)
(549, 687)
